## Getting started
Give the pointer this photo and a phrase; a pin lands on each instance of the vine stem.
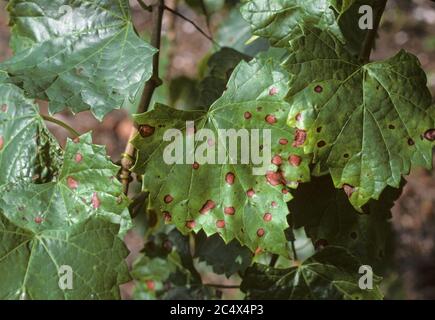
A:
(128, 157)
(62, 124)
(193, 24)
(369, 40)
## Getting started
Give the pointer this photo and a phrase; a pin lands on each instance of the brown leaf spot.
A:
(273, 91)
(78, 157)
(38, 220)
(4, 107)
(275, 178)
(146, 130)
(72, 183)
(195, 166)
(300, 137)
(318, 89)
(208, 205)
(321, 144)
(229, 211)
(190, 224)
(76, 140)
(276, 160)
(430, 135)
(284, 191)
(274, 204)
(229, 178)
(298, 117)
(95, 201)
(168, 198)
(167, 216)
(220, 224)
(247, 115)
(410, 142)
(250, 193)
(150, 285)
(2, 141)
(294, 160)
(270, 119)
(283, 141)
(267, 217)
(260, 232)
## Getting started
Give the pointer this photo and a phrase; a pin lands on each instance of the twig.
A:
(192, 23)
(128, 157)
(207, 17)
(273, 260)
(221, 286)
(370, 38)
(62, 124)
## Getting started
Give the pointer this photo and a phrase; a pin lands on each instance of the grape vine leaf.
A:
(332, 273)
(366, 124)
(86, 186)
(283, 20)
(224, 258)
(251, 208)
(329, 219)
(82, 54)
(31, 260)
(220, 66)
(28, 152)
(234, 32)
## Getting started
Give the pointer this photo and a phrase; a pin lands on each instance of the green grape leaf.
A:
(251, 208)
(283, 20)
(366, 124)
(31, 261)
(221, 64)
(329, 219)
(86, 186)
(331, 273)
(27, 150)
(224, 258)
(82, 54)
(234, 32)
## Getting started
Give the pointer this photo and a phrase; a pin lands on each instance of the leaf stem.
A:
(62, 124)
(193, 24)
(369, 40)
(128, 157)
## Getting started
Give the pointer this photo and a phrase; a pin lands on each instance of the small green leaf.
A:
(82, 55)
(224, 258)
(283, 20)
(331, 273)
(241, 205)
(365, 124)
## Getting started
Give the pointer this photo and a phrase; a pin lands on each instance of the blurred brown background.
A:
(406, 24)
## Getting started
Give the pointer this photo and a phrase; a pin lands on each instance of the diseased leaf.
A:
(283, 20)
(331, 273)
(31, 260)
(365, 124)
(238, 204)
(81, 54)
(224, 258)
(329, 219)
(86, 186)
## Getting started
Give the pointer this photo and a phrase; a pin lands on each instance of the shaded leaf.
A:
(82, 55)
(225, 259)
(331, 273)
(329, 218)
